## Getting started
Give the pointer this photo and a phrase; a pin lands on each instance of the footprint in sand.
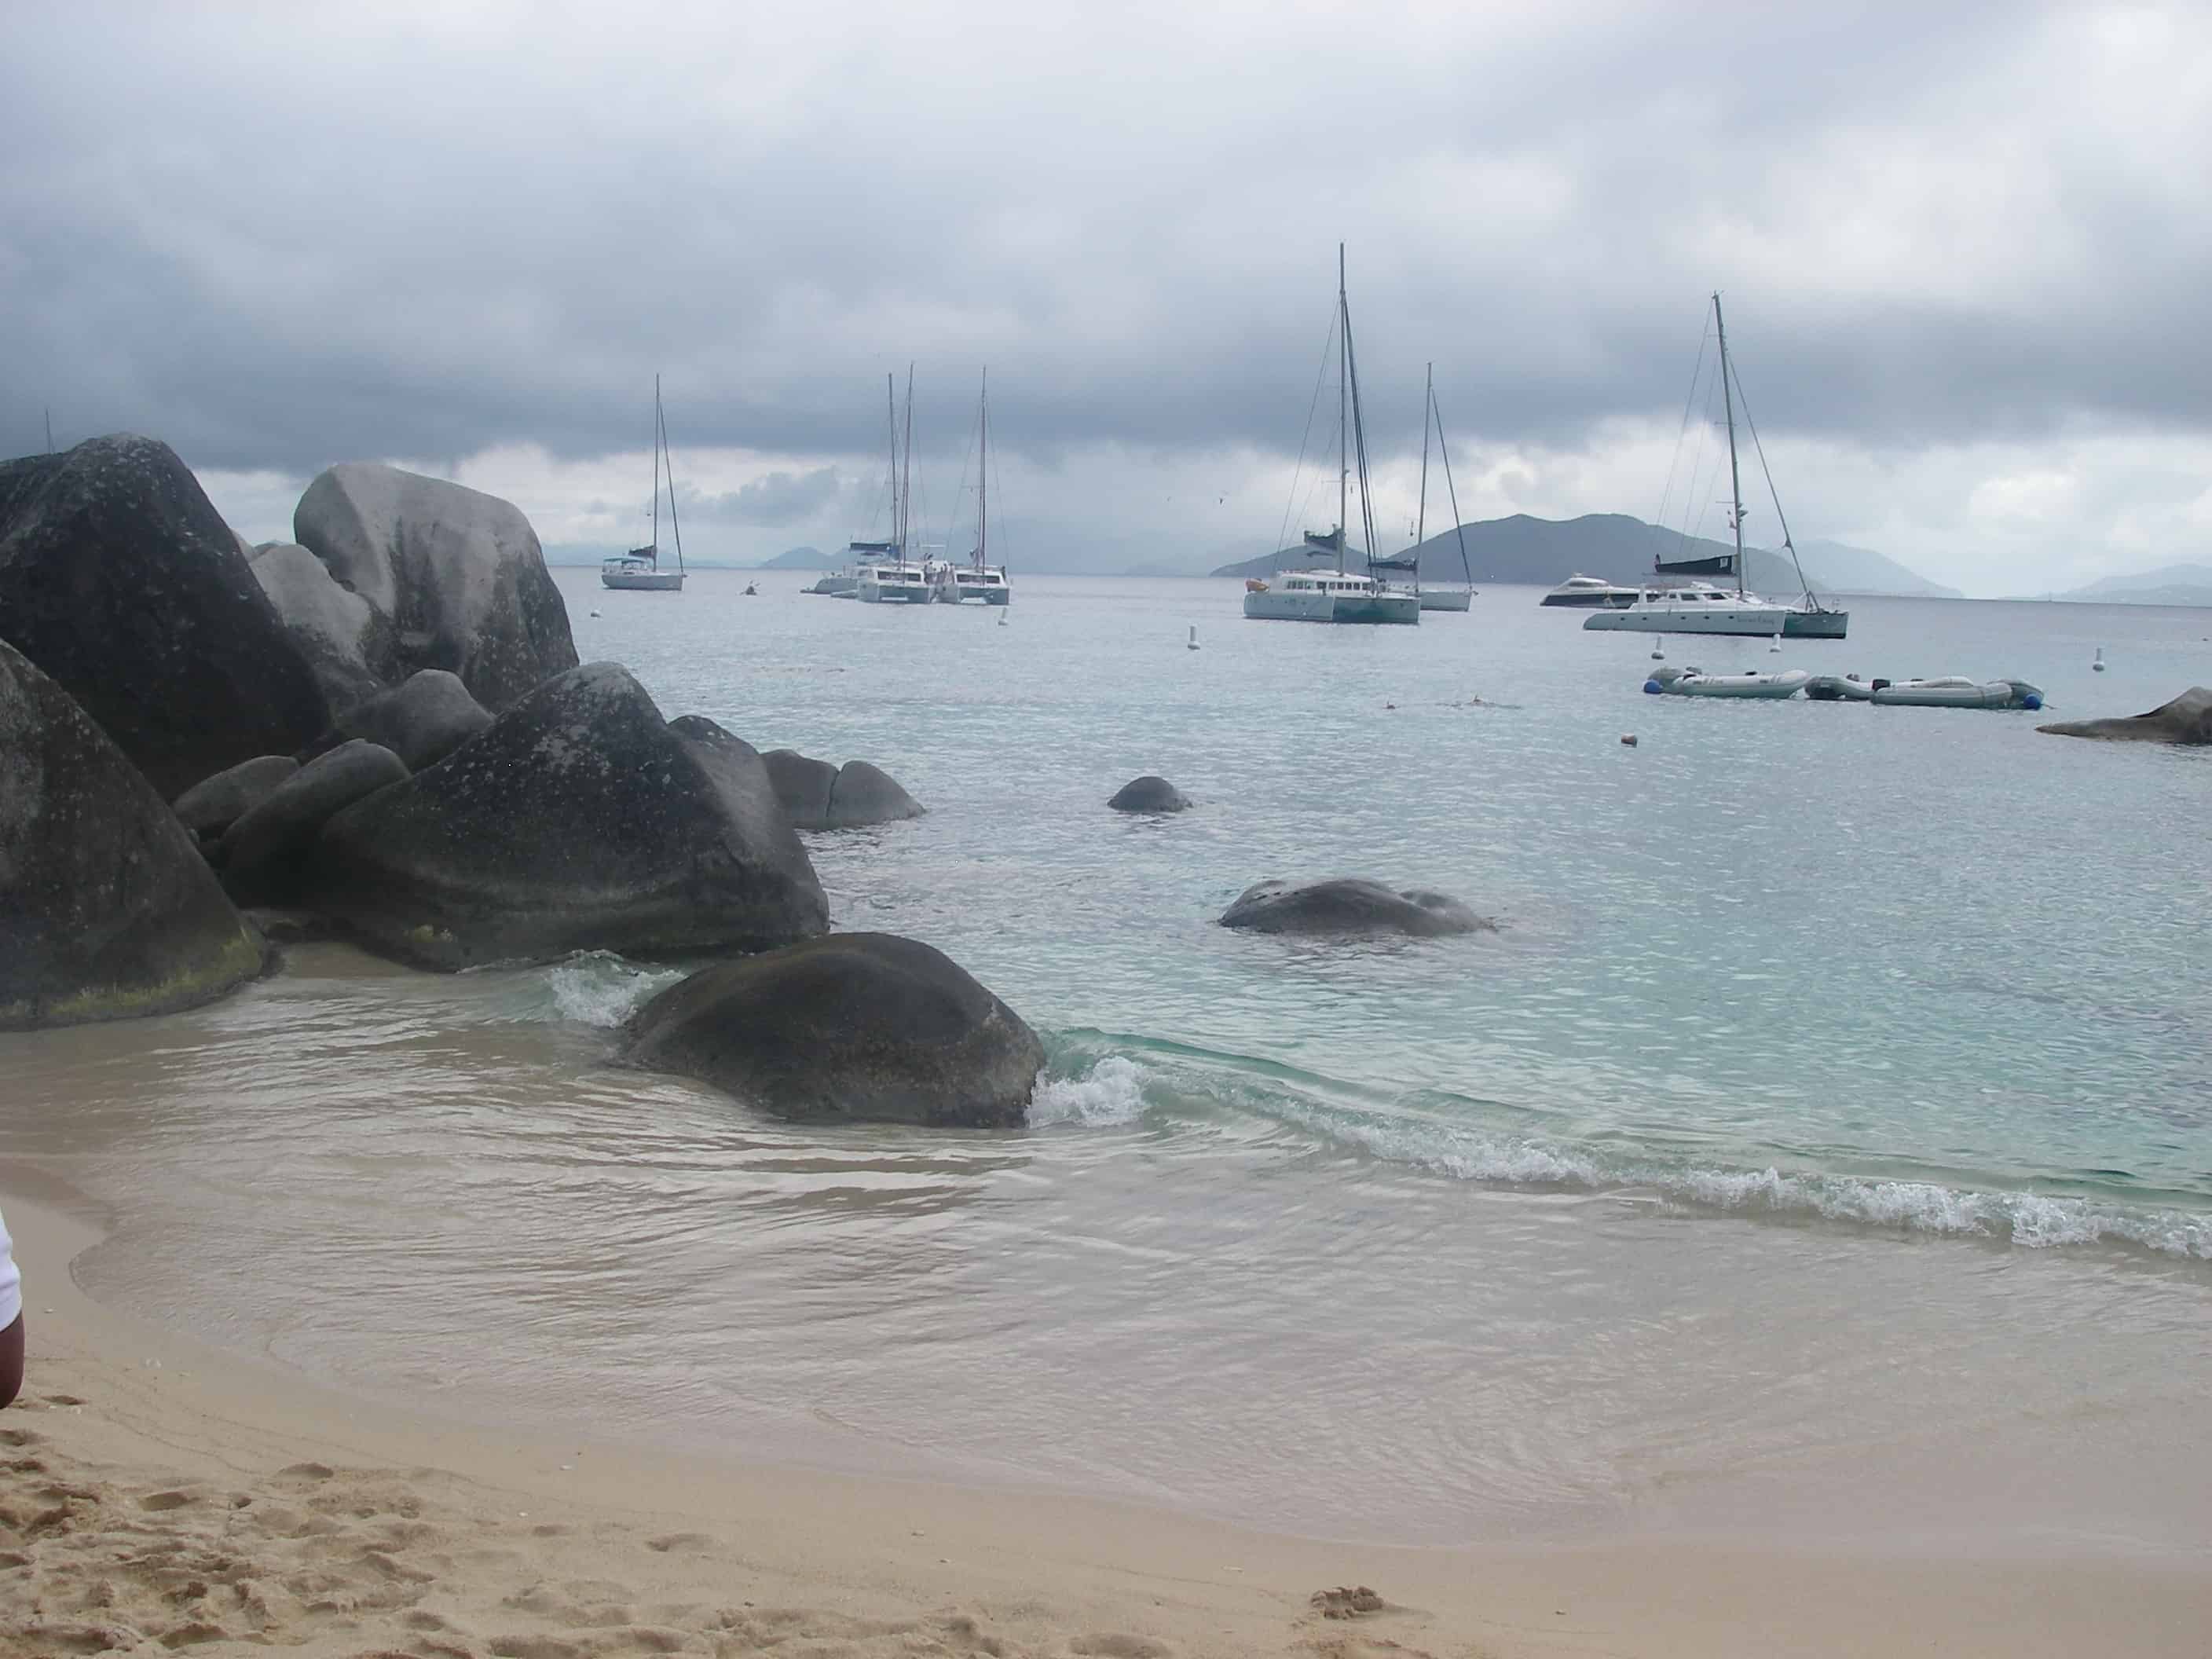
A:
(1344, 1601)
(1115, 1644)
(687, 1543)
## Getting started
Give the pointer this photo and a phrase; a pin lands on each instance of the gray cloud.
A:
(281, 238)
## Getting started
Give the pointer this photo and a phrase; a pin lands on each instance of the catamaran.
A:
(639, 569)
(882, 573)
(978, 579)
(1441, 599)
(1699, 607)
(1342, 595)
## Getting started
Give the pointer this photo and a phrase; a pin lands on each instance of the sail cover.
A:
(1720, 564)
(1404, 563)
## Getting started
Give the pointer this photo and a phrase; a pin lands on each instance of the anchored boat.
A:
(1700, 608)
(1695, 683)
(639, 570)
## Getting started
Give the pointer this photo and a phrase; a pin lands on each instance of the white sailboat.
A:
(978, 579)
(1441, 597)
(1340, 595)
(639, 569)
(882, 573)
(1699, 607)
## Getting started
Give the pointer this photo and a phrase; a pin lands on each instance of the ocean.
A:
(1823, 1142)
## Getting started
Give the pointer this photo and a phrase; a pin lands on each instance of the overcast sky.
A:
(1964, 251)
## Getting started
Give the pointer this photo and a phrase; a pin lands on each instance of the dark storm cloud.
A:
(282, 237)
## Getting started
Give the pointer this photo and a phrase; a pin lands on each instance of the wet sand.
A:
(156, 1494)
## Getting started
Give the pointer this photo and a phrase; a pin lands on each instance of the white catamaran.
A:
(1699, 607)
(978, 579)
(882, 573)
(640, 568)
(1340, 595)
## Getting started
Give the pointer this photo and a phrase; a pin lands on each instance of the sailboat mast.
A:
(668, 465)
(905, 467)
(1428, 407)
(656, 472)
(1343, 416)
(1735, 482)
(891, 423)
(982, 469)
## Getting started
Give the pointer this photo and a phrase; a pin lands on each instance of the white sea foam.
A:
(1111, 1092)
(597, 988)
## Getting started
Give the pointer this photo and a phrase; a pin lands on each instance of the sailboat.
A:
(1700, 607)
(639, 568)
(1441, 599)
(979, 578)
(1340, 595)
(882, 573)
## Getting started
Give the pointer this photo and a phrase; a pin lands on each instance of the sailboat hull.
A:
(1446, 599)
(1753, 621)
(1816, 624)
(645, 581)
(1276, 605)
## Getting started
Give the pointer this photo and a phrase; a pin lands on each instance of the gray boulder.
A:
(264, 853)
(866, 794)
(854, 1027)
(802, 784)
(106, 909)
(2187, 719)
(213, 804)
(121, 581)
(422, 720)
(820, 796)
(1349, 905)
(578, 820)
(1149, 794)
(457, 574)
(342, 637)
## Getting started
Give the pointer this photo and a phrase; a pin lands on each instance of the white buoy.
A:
(595, 613)
(1002, 618)
(1776, 646)
(2098, 666)
(1658, 655)
(1191, 644)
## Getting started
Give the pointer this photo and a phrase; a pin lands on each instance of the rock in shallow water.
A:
(850, 1027)
(2187, 719)
(1350, 905)
(820, 796)
(1149, 794)
(578, 820)
(106, 909)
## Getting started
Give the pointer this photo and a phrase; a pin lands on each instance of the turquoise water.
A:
(1821, 1142)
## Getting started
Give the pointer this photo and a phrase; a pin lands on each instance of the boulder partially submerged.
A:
(852, 1027)
(121, 581)
(1149, 793)
(2187, 719)
(455, 576)
(106, 909)
(578, 820)
(820, 796)
(1350, 906)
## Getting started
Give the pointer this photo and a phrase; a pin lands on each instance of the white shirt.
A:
(11, 1281)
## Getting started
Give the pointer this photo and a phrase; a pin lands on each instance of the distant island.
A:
(803, 558)
(2170, 584)
(1545, 552)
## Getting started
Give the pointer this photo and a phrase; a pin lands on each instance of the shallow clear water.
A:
(1828, 1120)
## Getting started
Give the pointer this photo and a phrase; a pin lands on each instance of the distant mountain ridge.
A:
(803, 558)
(1545, 552)
(2170, 584)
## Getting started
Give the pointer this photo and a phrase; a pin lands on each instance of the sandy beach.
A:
(162, 1495)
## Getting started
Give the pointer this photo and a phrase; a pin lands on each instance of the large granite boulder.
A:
(819, 796)
(263, 855)
(213, 804)
(344, 641)
(106, 909)
(423, 719)
(457, 574)
(850, 1027)
(578, 820)
(1349, 906)
(121, 581)
(1149, 794)
(2187, 719)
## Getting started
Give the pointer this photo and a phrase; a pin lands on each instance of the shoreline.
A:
(141, 1464)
